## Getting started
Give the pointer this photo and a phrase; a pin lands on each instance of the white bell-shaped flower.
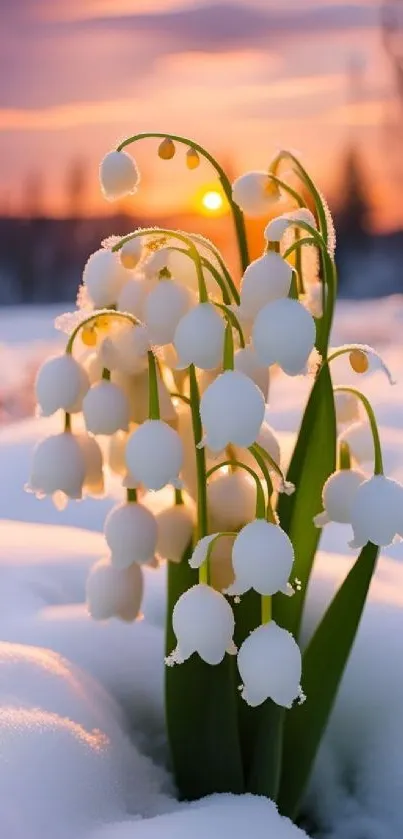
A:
(184, 270)
(247, 362)
(266, 279)
(156, 261)
(129, 348)
(106, 409)
(131, 534)
(118, 175)
(199, 337)
(347, 407)
(284, 333)
(154, 455)
(262, 558)
(133, 296)
(268, 441)
(338, 495)
(166, 304)
(58, 466)
(175, 528)
(231, 500)
(276, 228)
(269, 663)
(359, 439)
(131, 252)
(376, 513)
(203, 623)
(94, 474)
(61, 383)
(104, 277)
(136, 390)
(116, 453)
(255, 193)
(114, 592)
(232, 411)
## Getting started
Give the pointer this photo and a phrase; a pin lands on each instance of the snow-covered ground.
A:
(71, 767)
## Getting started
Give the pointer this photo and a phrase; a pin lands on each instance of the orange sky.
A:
(242, 76)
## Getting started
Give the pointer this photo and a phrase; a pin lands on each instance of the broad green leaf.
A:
(201, 711)
(313, 460)
(323, 664)
(265, 768)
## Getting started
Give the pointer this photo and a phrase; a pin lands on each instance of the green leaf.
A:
(323, 664)
(313, 460)
(201, 711)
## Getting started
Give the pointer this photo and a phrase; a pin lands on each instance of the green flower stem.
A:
(348, 348)
(260, 501)
(308, 182)
(153, 395)
(298, 244)
(67, 422)
(202, 518)
(344, 456)
(266, 608)
(228, 358)
(233, 321)
(205, 243)
(131, 496)
(237, 214)
(106, 375)
(225, 282)
(298, 264)
(178, 498)
(378, 465)
(288, 189)
(93, 317)
(181, 396)
(254, 450)
(294, 287)
(329, 286)
(261, 453)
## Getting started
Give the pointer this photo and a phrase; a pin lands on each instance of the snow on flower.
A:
(203, 623)
(338, 495)
(118, 175)
(279, 678)
(262, 559)
(232, 411)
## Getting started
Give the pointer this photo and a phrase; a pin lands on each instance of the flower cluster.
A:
(165, 383)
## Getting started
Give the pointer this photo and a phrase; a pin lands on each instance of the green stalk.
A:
(153, 395)
(378, 465)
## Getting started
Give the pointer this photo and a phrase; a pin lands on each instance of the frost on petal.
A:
(275, 229)
(269, 663)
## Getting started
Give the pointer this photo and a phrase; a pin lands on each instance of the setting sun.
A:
(212, 200)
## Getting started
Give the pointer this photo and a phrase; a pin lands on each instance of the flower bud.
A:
(104, 277)
(166, 304)
(175, 528)
(338, 495)
(358, 437)
(284, 333)
(154, 454)
(275, 229)
(255, 193)
(94, 475)
(106, 409)
(231, 500)
(203, 623)
(114, 592)
(192, 159)
(347, 407)
(269, 663)
(58, 465)
(131, 252)
(232, 411)
(266, 279)
(262, 558)
(61, 383)
(118, 175)
(376, 513)
(247, 362)
(199, 337)
(166, 149)
(131, 534)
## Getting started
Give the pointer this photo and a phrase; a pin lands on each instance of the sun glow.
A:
(212, 201)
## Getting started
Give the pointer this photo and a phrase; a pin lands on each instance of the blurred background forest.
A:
(244, 78)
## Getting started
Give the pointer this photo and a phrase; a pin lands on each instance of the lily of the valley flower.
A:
(61, 383)
(338, 495)
(106, 409)
(94, 475)
(284, 333)
(269, 663)
(127, 350)
(255, 193)
(136, 390)
(231, 500)
(154, 455)
(262, 558)
(275, 229)
(203, 623)
(377, 512)
(347, 407)
(118, 175)
(104, 277)
(133, 295)
(247, 362)
(359, 439)
(131, 534)
(199, 337)
(266, 279)
(175, 527)
(114, 592)
(58, 466)
(131, 252)
(166, 304)
(232, 411)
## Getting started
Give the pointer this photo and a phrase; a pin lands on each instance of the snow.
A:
(83, 752)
